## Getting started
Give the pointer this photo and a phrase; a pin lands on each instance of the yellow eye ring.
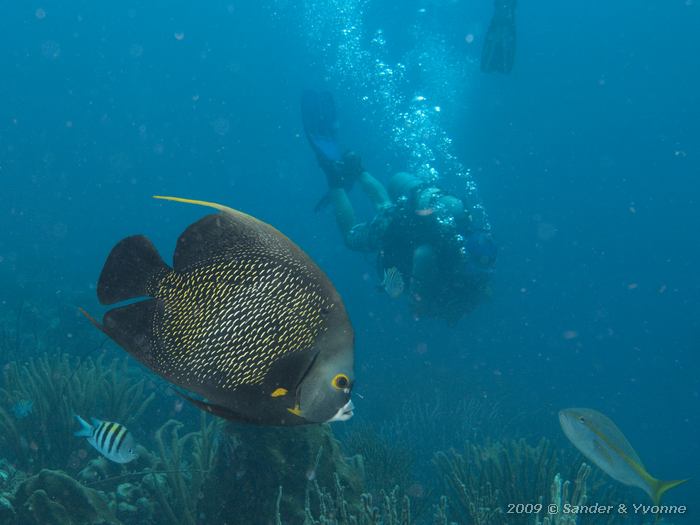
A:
(340, 382)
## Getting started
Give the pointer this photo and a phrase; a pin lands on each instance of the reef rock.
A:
(52, 497)
(8, 516)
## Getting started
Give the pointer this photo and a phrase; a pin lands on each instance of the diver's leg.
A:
(375, 190)
(344, 213)
(424, 278)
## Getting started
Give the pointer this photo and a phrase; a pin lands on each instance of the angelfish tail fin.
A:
(131, 265)
(85, 428)
(660, 487)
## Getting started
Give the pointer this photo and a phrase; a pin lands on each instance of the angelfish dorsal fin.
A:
(230, 231)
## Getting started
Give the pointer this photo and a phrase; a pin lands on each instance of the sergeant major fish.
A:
(244, 318)
(599, 439)
(393, 283)
(112, 440)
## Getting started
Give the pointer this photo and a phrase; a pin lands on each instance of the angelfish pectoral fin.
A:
(217, 410)
(296, 410)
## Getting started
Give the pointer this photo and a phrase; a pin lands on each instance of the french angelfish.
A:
(244, 318)
(599, 439)
(112, 440)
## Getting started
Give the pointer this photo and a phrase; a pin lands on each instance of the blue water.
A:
(586, 158)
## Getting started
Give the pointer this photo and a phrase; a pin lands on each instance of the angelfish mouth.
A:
(344, 413)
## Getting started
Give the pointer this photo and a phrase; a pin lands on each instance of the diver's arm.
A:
(375, 190)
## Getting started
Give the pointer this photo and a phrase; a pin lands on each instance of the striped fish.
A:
(112, 440)
(393, 283)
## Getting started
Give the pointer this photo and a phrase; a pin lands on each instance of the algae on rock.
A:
(52, 497)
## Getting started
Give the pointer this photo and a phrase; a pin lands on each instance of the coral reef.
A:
(260, 460)
(487, 477)
(52, 497)
(59, 386)
(334, 509)
(179, 488)
(560, 494)
(386, 463)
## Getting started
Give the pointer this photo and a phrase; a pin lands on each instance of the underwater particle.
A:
(569, 334)
(51, 49)
(22, 408)
(632, 286)
(136, 50)
(546, 231)
(40, 13)
(179, 36)
(177, 405)
(663, 288)
(69, 123)
(425, 212)
(422, 348)
(438, 109)
(221, 126)
(469, 38)
(417, 490)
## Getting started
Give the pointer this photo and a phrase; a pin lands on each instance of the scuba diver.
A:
(498, 53)
(423, 236)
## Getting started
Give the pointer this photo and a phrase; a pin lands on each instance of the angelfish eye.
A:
(340, 381)
(580, 418)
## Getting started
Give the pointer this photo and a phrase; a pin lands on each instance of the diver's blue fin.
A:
(86, 428)
(320, 124)
(498, 53)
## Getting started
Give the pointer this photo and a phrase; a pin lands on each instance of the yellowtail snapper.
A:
(599, 439)
(112, 440)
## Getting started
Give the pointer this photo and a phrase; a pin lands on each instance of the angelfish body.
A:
(603, 443)
(244, 318)
(110, 439)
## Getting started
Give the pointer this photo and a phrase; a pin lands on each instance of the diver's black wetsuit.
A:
(397, 231)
